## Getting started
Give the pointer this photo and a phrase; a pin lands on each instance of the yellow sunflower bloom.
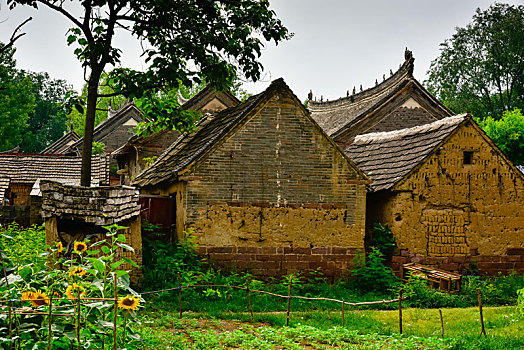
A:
(39, 299)
(130, 302)
(78, 271)
(59, 247)
(80, 247)
(73, 290)
(27, 295)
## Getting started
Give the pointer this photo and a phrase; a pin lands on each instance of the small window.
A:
(468, 157)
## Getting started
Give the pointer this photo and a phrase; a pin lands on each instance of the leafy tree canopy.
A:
(507, 133)
(183, 42)
(16, 101)
(481, 67)
(48, 121)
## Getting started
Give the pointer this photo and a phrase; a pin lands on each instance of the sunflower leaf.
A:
(125, 246)
(97, 264)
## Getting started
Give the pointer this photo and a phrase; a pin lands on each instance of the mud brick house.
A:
(449, 195)
(263, 188)
(112, 132)
(398, 102)
(19, 197)
(139, 152)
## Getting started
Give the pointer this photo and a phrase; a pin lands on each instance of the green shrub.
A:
(162, 261)
(370, 273)
(23, 246)
(382, 238)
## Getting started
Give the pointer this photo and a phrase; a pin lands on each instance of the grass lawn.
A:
(366, 329)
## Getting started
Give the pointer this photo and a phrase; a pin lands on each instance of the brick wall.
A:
(279, 261)
(448, 209)
(403, 117)
(511, 261)
(277, 183)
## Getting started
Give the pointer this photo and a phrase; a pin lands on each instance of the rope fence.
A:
(11, 310)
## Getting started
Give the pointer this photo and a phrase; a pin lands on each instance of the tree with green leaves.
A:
(184, 42)
(507, 133)
(481, 67)
(16, 101)
(48, 122)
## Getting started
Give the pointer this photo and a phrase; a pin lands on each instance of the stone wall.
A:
(72, 213)
(446, 208)
(277, 187)
(17, 213)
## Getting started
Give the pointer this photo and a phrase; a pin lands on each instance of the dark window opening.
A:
(468, 157)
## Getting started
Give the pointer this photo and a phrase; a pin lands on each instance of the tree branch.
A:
(64, 12)
(14, 37)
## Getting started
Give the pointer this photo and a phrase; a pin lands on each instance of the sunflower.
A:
(39, 299)
(28, 295)
(78, 271)
(73, 290)
(80, 247)
(130, 302)
(59, 247)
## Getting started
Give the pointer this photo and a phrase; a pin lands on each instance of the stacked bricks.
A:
(279, 261)
(512, 261)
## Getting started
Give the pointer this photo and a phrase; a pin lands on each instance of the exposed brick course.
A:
(263, 264)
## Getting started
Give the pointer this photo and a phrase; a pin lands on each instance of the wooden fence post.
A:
(441, 324)
(343, 318)
(116, 310)
(483, 330)
(400, 309)
(179, 294)
(289, 299)
(249, 301)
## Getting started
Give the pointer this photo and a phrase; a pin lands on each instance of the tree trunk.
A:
(92, 95)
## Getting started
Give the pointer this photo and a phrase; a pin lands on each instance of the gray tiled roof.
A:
(387, 157)
(337, 116)
(62, 143)
(22, 168)
(189, 147)
(107, 126)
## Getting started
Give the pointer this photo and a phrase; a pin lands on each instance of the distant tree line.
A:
(31, 111)
(480, 70)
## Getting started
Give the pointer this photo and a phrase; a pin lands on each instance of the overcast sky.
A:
(337, 44)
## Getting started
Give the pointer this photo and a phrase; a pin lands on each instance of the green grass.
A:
(365, 329)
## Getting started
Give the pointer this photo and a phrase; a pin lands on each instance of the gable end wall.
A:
(277, 197)
(455, 215)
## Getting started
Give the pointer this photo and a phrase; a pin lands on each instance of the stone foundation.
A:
(512, 261)
(265, 262)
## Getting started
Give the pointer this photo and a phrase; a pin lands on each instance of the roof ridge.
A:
(385, 135)
(405, 70)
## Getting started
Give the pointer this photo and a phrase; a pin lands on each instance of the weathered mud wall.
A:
(449, 208)
(277, 184)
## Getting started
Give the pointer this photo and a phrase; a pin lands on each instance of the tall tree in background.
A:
(184, 42)
(16, 101)
(481, 68)
(48, 121)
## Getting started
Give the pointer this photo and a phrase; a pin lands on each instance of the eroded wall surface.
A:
(277, 184)
(460, 215)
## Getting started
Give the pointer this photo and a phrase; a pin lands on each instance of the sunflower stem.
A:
(50, 322)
